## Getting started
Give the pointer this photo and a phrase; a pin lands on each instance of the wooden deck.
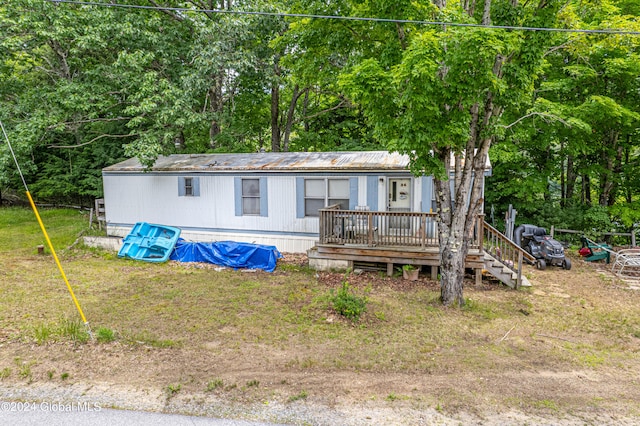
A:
(408, 238)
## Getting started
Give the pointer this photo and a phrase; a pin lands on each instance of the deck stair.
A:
(503, 258)
(502, 272)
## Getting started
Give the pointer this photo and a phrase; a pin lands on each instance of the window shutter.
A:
(196, 186)
(353, 193)
(372, 193)
(299, 197)
(426, 194)
(264, 201)
(181, 189)
(237, 190)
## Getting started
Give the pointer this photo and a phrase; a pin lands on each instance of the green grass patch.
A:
(288, 315)
(347, 303)
(105, 335)
(302, 395)
(214, 384)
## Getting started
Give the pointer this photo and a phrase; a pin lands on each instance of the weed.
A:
(348, 304)
(50, 374)
(380, 315)
(214, 384)
(24, 368)
(480, 309)
(252, 383)
(546, 403)
(302, 395)
(172, 390)
(146, 338)
(42, 332)
(4, 373)
(105, 335)
(74, 330)
(64, 376)
(392, 397)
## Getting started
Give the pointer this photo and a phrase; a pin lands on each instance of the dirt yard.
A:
(520, 374)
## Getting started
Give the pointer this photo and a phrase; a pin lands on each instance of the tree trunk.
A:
(586, 190)
(178, 141)
(456, 223)
(628, 187)
(607, 177)
(290, 112)
(572, 176)
(452, 271)
(216, 107)
(275, 107)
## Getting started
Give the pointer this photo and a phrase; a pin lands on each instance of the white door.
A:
(399, 201)
(399, 195)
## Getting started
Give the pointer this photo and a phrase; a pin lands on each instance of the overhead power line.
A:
(348, 18)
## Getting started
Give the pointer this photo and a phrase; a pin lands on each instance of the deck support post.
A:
(519, 277)
(389, 269)
(434, 273)
(478, 277)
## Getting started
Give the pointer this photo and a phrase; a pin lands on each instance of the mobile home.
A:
(263, 198)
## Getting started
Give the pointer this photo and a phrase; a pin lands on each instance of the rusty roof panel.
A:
(272, 161)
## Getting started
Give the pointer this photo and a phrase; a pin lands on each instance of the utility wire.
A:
(348, 18)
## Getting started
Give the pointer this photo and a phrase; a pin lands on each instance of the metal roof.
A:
(273, 161)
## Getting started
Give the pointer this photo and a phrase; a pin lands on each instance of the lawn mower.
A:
(547, 251)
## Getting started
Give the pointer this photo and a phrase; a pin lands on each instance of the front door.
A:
(399, 201)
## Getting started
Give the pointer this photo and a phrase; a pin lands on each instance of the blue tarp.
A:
(228, 253)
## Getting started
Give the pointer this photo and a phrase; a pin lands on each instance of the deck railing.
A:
(380, 229)
(504, 250)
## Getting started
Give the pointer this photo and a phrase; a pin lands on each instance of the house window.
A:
(189, 186)
(319, 193)
(251, 196)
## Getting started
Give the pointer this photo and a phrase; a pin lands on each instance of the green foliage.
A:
(81, 91)
(172, 390)
(73, 329)
(105, 335)
(299, 396)
(214, 384)
(347, 304)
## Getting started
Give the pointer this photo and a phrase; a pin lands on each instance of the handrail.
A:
(505, 251)
(495, 242)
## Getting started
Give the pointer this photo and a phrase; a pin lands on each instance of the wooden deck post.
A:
(481, 232)
(519, 278)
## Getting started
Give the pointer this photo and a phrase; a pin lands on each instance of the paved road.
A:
(53, 414)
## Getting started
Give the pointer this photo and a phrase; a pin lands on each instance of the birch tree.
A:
(442, 103)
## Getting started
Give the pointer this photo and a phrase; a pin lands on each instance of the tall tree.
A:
(443, 101)
(578, 150)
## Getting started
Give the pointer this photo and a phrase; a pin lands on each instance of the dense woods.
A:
(558, 112)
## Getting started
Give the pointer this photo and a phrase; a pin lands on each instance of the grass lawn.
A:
(257, 327)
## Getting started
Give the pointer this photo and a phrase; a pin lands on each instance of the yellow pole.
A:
(44, 231)
(55, 256)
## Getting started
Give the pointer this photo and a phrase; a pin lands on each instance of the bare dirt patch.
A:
(563, 352)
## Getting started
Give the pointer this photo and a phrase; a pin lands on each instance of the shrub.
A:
(348, 304)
